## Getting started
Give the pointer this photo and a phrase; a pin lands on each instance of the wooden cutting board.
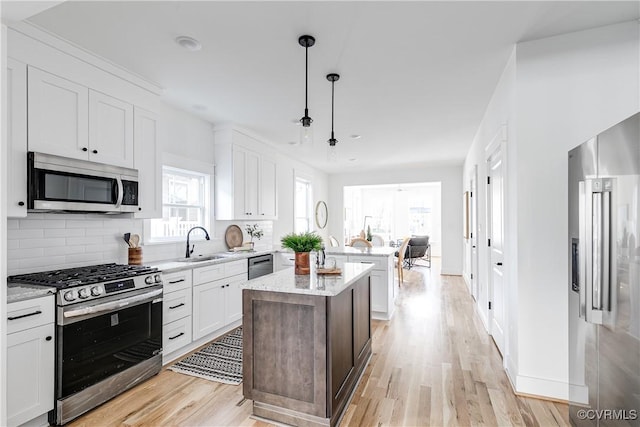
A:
(329, 271)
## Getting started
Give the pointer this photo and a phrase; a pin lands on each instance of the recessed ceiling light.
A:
(356, 136)
(353, 159)
(198, 107)
(188, 43)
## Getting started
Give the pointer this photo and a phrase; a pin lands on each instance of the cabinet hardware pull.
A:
(176, 281)
(176, 306)
(85, 149)
(498, 263)
(48, 338)
(24, 315)
(95, 151)
(20, 203)
(177, 336)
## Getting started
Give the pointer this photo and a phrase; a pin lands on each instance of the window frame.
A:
(301, 177)
(197, 167)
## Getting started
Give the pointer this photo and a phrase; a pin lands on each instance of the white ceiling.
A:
(416, 77)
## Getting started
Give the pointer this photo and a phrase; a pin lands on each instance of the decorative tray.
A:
(329, 271)
(233, 236)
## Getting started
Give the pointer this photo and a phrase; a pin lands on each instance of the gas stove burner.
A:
(70, 277)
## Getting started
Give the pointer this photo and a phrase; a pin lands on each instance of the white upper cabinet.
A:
(58, 115)
(71, 120)
(146, 160)
(17, 136)
(268, 193)
(110, 130)
(246, 185)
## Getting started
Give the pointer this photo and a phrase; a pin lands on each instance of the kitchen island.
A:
(383, 288)
(307, 340)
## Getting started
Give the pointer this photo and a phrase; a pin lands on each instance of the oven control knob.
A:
(68, 296)
(96, 291)
(148, 280)
(82, 293)
(157, 278)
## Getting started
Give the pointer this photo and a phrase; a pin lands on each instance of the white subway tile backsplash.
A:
(42, 243)
(64, 232)
(64, 250)
(25, 234)
(46, 241)
(25, 253)
(85, 223)
(37, 264)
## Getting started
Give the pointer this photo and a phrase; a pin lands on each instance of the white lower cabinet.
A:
(30, 359)
(382, 284)
(176, 335)
(208, 310)
(176, 311)
(200, 304)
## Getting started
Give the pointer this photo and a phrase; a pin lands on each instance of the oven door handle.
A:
(114, 305)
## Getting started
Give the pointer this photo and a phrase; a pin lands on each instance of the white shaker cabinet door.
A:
(208, 308)
(146, 160)
(58, 112)
(30, 373)
(17, 135)
(233, 298)
(110, 130)
(268, 189)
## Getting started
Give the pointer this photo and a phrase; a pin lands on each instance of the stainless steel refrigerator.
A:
(604, 278)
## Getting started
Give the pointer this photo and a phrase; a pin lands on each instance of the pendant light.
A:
(306, 131)
(332, 156)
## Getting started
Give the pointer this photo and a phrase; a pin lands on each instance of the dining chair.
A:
(359, 242)
(377, 240)
(399, 264)
(333, 242)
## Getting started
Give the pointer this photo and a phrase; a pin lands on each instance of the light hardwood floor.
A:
(433, 364)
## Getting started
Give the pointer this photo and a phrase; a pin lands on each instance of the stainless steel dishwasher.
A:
(260, 265)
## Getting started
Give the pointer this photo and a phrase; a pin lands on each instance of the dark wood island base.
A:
(303, 354)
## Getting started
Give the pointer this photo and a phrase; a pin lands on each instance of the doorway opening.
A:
(394, 211)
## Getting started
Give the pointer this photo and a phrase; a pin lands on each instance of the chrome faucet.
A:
(206, 236)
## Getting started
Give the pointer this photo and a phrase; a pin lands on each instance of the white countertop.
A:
(287, 281)
(21, 292)
(170, 266)
(374, 251)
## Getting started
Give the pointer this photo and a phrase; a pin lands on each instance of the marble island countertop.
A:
(384, 251)
(286, 281)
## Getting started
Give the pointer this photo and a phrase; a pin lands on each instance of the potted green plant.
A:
(302, 244)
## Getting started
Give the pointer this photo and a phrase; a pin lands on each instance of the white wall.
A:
(450, 178)
(500, 114)
(570, 88)
(287, 169)
(555, 93)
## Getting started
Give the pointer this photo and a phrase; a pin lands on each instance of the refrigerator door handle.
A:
(597, 287)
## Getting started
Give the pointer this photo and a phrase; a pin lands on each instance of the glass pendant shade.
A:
(306, 135)
(332, 153)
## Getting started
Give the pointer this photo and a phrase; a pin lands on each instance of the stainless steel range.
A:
(108, 332)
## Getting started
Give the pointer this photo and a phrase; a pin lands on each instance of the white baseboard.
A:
(542, 387)
(579, 394)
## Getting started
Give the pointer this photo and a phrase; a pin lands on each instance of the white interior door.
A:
(495, 219)
(474, 233)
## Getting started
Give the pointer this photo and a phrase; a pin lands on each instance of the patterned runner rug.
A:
(219, 361)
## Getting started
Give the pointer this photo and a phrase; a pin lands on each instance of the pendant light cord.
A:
(332, 86)
(306, 80)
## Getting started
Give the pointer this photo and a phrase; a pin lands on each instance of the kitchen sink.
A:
(202, 258)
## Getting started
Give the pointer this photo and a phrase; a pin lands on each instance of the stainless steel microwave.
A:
(63, 184)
